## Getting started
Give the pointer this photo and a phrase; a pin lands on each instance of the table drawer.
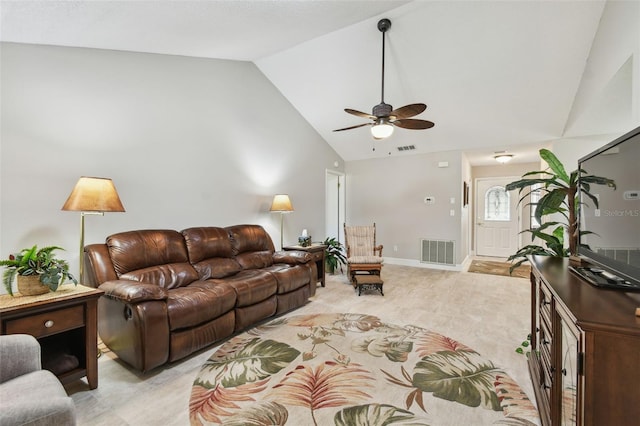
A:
(48, 323)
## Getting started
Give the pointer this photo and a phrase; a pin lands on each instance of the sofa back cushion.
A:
(152, 256)
(210, 252)
(252, 246)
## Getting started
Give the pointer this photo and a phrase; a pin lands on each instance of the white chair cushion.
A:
(365, 259)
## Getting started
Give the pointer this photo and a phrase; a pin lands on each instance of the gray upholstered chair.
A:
(28, 394)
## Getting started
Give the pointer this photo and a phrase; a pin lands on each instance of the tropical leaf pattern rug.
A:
(352, 369)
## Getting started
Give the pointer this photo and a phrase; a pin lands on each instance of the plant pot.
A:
(329, 268)
(30, 285)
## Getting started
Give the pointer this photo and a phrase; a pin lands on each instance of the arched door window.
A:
(497, 204)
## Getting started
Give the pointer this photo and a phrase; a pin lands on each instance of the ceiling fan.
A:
(384, 117)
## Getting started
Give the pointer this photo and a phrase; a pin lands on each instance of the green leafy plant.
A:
(558, 196)
(34, 261)
(334, 255)
(525, 347)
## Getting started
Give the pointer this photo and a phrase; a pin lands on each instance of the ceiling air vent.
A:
(406, 148)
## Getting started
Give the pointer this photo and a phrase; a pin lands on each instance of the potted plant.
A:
(334, 255)
(35, 266)
(558, 195)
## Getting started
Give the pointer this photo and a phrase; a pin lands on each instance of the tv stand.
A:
(585, 345)
(601, 278)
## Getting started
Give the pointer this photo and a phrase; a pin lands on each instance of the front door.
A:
(497, 218)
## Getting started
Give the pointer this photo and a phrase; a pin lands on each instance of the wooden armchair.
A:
(363, 255)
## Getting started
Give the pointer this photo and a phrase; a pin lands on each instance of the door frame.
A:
(476, 204)
(335, 210)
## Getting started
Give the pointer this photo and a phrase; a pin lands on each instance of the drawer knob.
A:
(48, 323)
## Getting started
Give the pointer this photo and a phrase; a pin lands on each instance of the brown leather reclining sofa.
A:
(169, 293)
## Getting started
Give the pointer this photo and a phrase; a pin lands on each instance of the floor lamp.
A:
(281, 204)
(92, 196)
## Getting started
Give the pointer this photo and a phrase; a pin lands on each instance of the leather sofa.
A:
(169, 293)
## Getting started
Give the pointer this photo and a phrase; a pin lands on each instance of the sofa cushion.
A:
(210, 252)
(290, 277)
(255, 260)
(198, 303)
(135, 253)
(251, 286)
(252, 246)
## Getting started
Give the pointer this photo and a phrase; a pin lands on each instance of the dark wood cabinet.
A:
(65, 324)
(585, 357)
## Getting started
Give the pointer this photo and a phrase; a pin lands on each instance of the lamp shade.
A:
(281, 203)
(94, 194)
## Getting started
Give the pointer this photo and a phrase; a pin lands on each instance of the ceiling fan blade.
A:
(360, 114)
(353, 127)
(408, 110)
(413, 124)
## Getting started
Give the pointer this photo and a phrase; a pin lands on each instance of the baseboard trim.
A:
(417, 264)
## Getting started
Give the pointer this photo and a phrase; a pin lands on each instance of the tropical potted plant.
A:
(558, 196)
(38, 271)
(334, 255)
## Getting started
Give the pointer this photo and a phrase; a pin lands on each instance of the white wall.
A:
(187, 142)
(390, 192)
(608, 98)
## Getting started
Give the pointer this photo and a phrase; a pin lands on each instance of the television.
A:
(609, 234)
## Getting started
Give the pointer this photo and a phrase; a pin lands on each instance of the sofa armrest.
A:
(133, 291)
(20, 354)
(293, 257)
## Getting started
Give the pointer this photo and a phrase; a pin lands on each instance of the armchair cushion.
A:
(29, 395)
(365, 259)
(20, 354)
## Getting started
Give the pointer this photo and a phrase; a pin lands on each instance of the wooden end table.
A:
(317, 252)
(65, 322)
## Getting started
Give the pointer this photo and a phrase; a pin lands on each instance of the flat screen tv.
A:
(609, 235)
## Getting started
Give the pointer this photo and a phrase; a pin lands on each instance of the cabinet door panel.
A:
(569, 374)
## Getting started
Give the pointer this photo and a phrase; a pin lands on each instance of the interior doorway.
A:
(497, 218)
(335, 201)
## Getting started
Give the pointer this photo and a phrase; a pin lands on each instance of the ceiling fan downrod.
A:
(383, 26)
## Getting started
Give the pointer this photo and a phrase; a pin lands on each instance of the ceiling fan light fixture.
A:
(503, 158)
(382, 129)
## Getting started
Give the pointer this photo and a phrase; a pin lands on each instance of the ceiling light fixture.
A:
(503, 158)
(384, 117)
(382, 129)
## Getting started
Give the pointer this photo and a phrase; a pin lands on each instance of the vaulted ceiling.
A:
(496, 75)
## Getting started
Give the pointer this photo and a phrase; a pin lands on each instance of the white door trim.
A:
(335, 204)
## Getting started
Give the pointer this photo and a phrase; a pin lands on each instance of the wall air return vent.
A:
(437, 251)
(406, 148)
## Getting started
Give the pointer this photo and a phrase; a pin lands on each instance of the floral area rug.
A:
(352, 369)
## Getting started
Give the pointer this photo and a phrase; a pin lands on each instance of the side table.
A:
(317, 252)
(65, 322)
